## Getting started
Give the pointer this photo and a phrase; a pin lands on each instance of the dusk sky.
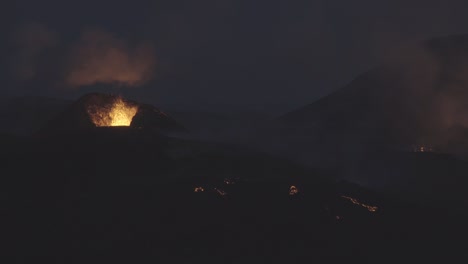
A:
(253, 54)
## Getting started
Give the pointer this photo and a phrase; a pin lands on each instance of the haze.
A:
(242, 55)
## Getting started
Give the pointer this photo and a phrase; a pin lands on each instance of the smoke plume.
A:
(31, 41)
(99, 57)
(436, 87)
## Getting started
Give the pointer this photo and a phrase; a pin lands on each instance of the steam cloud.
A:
(32, 40)
(96, 57)
(99, 57)
(429, 96)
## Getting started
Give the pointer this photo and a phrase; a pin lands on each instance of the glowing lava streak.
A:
(355, 201)
(119, 114)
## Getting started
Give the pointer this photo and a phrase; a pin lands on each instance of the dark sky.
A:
(241, 53)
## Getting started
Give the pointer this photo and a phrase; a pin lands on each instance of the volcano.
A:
(400, 127)
(416, 98)
(96, 110)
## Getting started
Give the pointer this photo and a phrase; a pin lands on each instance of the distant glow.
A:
(220, 192)
(228, 181)
(355, 201)
(293, 190)
(422, 149)
(199, 189)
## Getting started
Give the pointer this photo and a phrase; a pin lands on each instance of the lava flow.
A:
(370, 208)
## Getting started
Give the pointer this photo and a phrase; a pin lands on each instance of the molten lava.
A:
(293, 190)
(120, 113)
(370, 208)
(199, 189)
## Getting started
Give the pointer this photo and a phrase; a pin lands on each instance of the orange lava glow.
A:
(355, 201)
(422, 149)
(119, 114)
(199, 189)
(220, 192)
(293, 190)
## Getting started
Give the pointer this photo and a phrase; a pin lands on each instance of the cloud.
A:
(31, 40)
(428, 92)
(99, 57)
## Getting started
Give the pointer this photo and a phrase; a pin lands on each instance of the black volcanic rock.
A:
(77, 115)
(26, 115)
(149, 116)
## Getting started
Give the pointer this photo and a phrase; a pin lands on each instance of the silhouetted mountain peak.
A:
(419, 95)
